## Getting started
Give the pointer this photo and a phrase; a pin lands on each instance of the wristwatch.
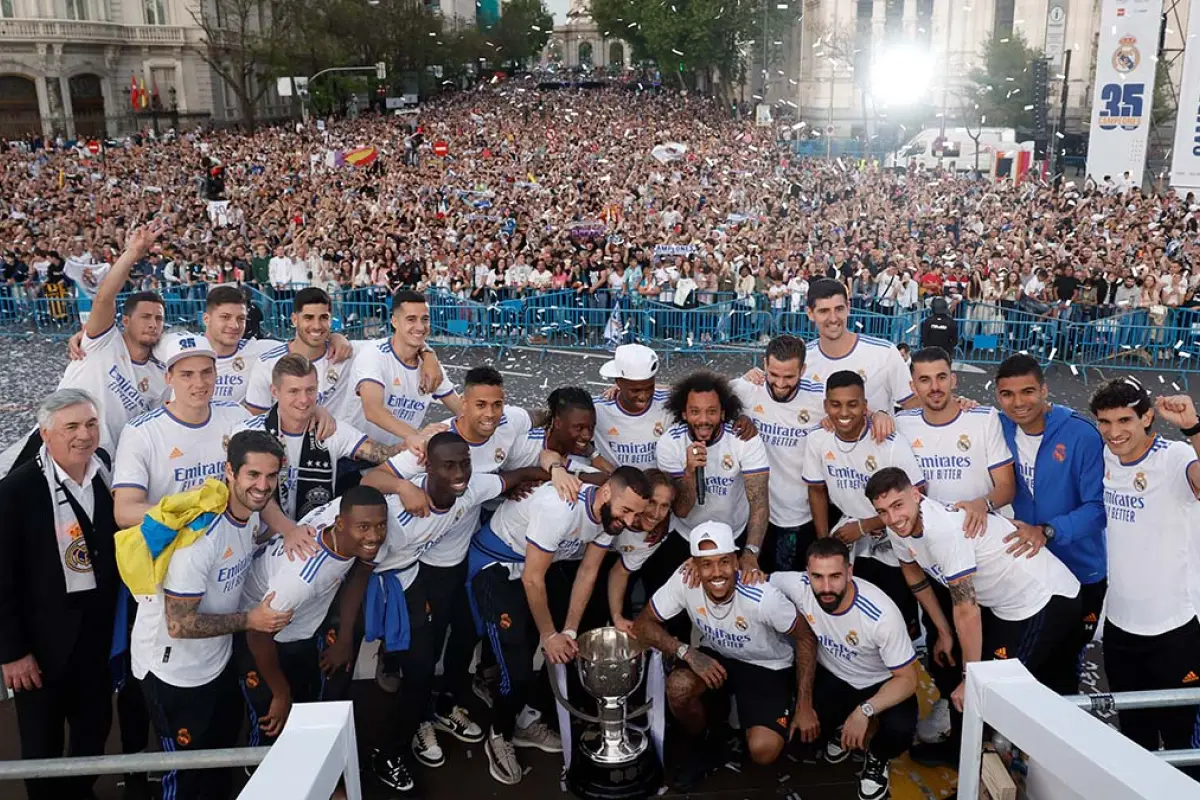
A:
(682, 652)
(867, 710)
(753, 549)
(1049, 532)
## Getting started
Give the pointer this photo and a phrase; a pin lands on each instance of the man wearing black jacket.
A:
(58, 591)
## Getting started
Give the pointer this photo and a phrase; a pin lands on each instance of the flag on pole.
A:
(133, 91)
(143, 95)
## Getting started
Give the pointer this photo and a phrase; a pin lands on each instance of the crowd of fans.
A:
(545, 191)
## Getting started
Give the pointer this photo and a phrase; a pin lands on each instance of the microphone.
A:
(700, 488)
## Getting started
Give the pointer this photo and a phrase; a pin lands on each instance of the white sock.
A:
(527, 717)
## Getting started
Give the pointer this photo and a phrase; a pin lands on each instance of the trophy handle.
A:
(640, 710)
(565, 703)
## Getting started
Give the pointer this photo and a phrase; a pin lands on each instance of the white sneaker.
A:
(873, 781)
(834, 752)
(425, 746)
(538, 735)
(935, 727)
(502, 759)
(459, 725)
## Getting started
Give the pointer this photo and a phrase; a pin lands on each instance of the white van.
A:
(955, 149)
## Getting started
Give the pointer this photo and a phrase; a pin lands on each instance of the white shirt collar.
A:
(88, 476)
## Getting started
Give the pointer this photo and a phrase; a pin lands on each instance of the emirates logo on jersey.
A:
(1139, 481)
(964, 443)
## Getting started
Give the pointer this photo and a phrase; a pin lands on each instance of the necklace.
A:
(728, 605)
(838, 442)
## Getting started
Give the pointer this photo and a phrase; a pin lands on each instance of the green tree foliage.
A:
(702, 36)
(1004, 83)
(522, 32)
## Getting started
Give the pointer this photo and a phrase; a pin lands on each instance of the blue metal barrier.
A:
(1082, 337)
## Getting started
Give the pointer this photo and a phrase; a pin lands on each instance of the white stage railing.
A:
(316, 749)
(1071, 754)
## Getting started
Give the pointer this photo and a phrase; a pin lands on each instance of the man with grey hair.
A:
(58, 591)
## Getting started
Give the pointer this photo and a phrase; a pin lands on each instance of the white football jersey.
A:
(876, 361)
(494, 454)
(305, 587)
(214, 569)
(562, 528)
(1153, 540)
(861, 646)
(957, 457)
(1027, 451)
(754, 626)
(122, 388)
(628, 440)
(635, 547)
(163, 455)
(401, 384)
(729, 460)
(344, 443)
(845, 468)
(1013, 588)
(333, 382)
(233, 370)
(783, 428)
(420, 535)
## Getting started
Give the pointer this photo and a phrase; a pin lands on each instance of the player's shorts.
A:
(765, 697)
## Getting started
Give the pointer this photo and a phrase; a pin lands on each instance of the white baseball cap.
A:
(634, 362)
(178, 346)
(718, 533)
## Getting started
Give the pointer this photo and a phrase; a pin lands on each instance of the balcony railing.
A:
(43, 30)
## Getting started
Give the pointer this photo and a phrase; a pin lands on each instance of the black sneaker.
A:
(393, 772)
(459, 725)
(873, 780)
(695, 767)
(938, 754)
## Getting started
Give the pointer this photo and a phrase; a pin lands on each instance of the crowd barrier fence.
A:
(1083, 338)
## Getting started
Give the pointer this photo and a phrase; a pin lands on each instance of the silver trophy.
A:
(618, 760)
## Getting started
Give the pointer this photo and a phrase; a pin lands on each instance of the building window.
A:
(156, 12)
(1002, 24)
(77, 9)
(862, 34)
(6, 9)
(925, 21)
(893, 20)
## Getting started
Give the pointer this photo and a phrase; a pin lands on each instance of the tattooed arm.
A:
(184, 621)
(967, 619)
(373, 452)
(760, 508)
(806, 661)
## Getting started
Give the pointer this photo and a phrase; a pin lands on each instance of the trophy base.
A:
(633, 780)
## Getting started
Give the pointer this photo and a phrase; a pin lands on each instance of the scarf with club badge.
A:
(315, 474)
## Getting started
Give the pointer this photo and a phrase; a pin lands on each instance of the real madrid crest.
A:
(727, 461)
(803, 416)
(852, 638)
(225, 442)
(964, 443)
(740, 623)
(1126, 57)
(144, 385)
(872, 464)
(499, 454)
(78, 558)
(331, 376)
(239, 364)
(658, 428)
(1139, 481)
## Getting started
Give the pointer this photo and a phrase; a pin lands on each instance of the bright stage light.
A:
(900, 76)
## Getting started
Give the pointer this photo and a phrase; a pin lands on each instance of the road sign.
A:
(441, 149)
(93, 147)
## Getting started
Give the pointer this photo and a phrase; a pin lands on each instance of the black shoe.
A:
(937, 754)
(873, 780)
(393, 772)
(696, 765)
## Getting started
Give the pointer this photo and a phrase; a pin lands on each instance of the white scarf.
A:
(72, 547)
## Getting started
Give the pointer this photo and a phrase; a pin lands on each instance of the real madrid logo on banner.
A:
(1126, 57)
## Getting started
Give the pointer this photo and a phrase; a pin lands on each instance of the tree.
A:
(245, 43)
(1004, 81)
(522, 31)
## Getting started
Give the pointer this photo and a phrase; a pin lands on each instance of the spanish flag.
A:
(143, 95)
(176, 521)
